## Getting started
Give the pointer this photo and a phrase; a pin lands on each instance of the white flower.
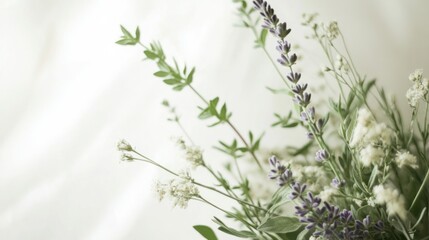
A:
(124, 146)
(364, 122)
(416, 75)
(181, 191)
(160, 190)
(405, 158)
(379, 133)
(419, 89)
(341, 64)
(417, 92)
(368, 131)
(395, 202)
(371, 155)
(193, 154)
(127, 157)
(327, 193)
(314, 176)
(332, 31)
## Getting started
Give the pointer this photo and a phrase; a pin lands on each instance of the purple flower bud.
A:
(310, 135)
(304, 116)
(321, 155)
(311, 112)
(337, 183)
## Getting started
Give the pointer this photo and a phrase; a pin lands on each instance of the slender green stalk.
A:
(420, 190)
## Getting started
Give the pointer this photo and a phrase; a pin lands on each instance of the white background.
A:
(68, 94)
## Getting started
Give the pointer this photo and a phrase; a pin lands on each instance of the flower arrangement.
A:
(359, 176)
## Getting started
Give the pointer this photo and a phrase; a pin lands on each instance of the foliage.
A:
(358, 176)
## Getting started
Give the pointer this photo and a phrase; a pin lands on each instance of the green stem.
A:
(232, 127)
(420, 190)
(226, 212)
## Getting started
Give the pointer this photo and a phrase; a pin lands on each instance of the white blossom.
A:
(395, 202)
(332, 31)
(405, 158)
(371, 155)
(416, 75)
(341, 64)
(314, 176)
(368, 131)
(181, 191)
(327, 193)
(364, 122)
(193, 154)
(124, 146)
(419, 89)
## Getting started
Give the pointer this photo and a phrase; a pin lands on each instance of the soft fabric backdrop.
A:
(68, 94)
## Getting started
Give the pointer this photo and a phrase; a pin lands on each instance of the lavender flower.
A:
(321, 155)
(337, 183)
(297, 190)
(279, 172)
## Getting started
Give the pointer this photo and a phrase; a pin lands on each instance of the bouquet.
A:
(362, 174)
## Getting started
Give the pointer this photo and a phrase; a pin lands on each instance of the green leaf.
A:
(240, 234)
(304, 235)
(205, 114)
(206, 232)
(125, 32)
(161, 74)
(223, 115)
(179, 87)
(280, 225)
(190, 76)
(373, 176)
(137, 38)
(125, 41)
(171, 81)
(231, 231)
(263, 36)
(150, 55)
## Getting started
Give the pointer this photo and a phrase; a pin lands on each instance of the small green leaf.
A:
(125, 32)
(223, 112)
(206, 232)
(240, 234)
(137, 34)
(161, 74)
(171, 81)
(179, 87)
(263, 36)
(150, 55)
(190, 76)
(125, 41)
(304, 235)
(205, 114)
(280, 225)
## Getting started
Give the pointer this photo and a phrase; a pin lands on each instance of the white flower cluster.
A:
(341, 64)
(395, 202)
(371, 138)
(332, 31)
(193, 154)
(327, 193)
(419, 89)
(314, 176)
(124, 146)
(405, 158)
(181, 191)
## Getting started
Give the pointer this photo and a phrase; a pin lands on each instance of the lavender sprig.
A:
(301, 97)
(329, 222)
